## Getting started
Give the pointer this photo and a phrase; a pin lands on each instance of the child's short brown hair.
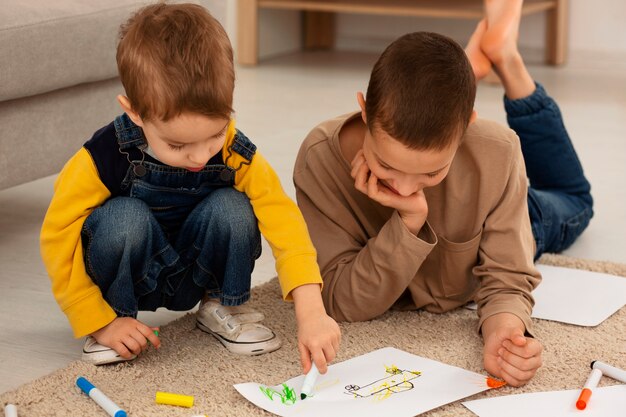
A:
(175, 58)
(421, 91)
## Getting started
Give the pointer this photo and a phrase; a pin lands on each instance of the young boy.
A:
(164, 206)
(414, 203)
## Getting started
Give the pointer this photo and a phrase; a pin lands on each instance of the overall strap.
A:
(128, 134)
(243, 146)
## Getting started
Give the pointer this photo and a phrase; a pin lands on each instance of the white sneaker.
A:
(97, 354)
(237, 328)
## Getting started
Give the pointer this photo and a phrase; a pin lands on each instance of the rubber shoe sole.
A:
(96, 354)
(245, 348)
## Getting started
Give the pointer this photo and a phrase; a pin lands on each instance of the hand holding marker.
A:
(309, 382)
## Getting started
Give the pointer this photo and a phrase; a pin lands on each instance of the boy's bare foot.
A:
(492, 78)
(499, 42)
(480, 63)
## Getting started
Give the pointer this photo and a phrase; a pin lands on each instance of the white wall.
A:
(218, 9)
(598, 25)
(597, 31)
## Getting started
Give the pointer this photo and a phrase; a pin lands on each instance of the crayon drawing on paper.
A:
(387, 381)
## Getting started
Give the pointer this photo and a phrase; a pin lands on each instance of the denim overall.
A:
(173, 235)
(559, 197)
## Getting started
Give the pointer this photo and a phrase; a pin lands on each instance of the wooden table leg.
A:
(319, 30)
(556, 33)
(247, 32)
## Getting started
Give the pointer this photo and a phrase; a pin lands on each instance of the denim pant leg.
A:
(219, 241)
(125, 251)
(559, 199)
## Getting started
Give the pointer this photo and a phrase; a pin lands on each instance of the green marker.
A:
(156, 332)
(309, 382)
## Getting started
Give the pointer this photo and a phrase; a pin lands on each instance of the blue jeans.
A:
(138, 265)
(559, 199)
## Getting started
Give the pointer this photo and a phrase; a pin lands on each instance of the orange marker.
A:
(585, 394)
(495, 383)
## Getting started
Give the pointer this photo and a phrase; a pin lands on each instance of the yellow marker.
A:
(174, 399)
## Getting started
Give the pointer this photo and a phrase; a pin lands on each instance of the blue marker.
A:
(102, 400)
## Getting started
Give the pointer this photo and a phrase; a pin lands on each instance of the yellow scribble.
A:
(383, 391)
(393, 369)
(396, 381)
(327, 384)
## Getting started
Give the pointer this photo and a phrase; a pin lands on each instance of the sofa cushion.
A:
(48, 45)
(54, 44)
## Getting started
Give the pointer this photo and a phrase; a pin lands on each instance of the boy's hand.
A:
(318, 334)
(413, 209)
(508, 354)
(127, 336)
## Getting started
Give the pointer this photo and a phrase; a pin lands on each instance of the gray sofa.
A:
(58, 79)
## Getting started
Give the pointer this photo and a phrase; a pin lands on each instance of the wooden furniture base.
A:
(319, 19)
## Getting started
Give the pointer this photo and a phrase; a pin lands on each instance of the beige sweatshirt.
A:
(477, 243)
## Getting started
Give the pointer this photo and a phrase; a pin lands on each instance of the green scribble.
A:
(287, 396)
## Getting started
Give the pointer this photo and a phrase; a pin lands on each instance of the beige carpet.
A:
(193, 363)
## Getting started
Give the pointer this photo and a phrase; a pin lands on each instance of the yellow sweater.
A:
(79, 190)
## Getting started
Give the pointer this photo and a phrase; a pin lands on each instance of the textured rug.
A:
(194, 363)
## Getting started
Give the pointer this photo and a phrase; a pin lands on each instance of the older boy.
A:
(413, 203)
(163, 206)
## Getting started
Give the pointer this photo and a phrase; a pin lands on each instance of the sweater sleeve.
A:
(506, 269)
(77, 192)
(281, 223)
(362, 279)
(365, 269)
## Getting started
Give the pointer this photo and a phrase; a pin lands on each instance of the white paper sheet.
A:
(576, 296)
(604, 402)
(387, 382)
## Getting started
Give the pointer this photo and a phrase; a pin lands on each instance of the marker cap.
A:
(174, 399)
(84, 385)
(583, 399)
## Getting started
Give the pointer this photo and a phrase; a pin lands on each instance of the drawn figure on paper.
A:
(287, 396)
(396, 381)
